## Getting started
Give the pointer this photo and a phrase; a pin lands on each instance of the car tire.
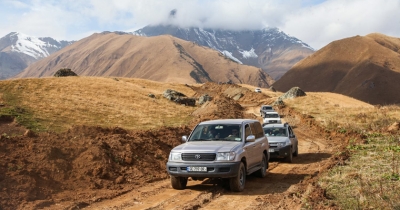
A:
(289, 158)
(237, 183)
(264, 166)
(179, 183)
(296, 153)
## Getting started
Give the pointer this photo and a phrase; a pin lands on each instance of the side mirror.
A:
(292, 136)
(251, 138)
(184, 139)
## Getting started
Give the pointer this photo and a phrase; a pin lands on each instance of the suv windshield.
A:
(267, 108)
(272, 116)
(216, 132)
(275, 132)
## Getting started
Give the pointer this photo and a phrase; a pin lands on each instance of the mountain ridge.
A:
(364, 67)
(269, 48)
(162, 58)
(18, 50)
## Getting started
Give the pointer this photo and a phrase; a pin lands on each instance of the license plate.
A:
(272, 121)
(201, 169)
(271, 150)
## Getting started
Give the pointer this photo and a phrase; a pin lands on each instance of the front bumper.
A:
(214, 170)
(279, 152)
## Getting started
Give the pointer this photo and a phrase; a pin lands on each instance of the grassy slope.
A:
(55, 104)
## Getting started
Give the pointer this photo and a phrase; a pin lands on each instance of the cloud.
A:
(337, 19)
(316, 22)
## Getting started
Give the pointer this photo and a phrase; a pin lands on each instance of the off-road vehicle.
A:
(226, 149)
(282, 141)
(266, 108)
(272, 117)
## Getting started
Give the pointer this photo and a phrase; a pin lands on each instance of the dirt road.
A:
(282, 188)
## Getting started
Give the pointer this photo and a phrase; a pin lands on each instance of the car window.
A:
(290, 131)
(257, 129)
(271, 116)
(247, 131)
(216, 132)
(275, 131)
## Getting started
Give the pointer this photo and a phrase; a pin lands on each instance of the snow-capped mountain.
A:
(270, 48)
(18, 50)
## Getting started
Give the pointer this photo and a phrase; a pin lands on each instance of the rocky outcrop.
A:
(179, 98)
(65, 73)
(294, 92)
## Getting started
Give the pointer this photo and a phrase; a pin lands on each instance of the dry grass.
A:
(57, 103)
(370, 179)
(337, 112)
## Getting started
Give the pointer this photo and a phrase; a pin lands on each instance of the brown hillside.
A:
(103, 143)
(363, 67)
(162, 58)
(278, 63)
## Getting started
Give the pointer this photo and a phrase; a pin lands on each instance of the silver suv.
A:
(220, 149)
(282, 141)
(264, 109)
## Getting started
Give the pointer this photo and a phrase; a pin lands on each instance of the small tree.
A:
(65, 73)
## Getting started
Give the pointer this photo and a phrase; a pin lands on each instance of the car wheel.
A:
(289, 158)
(237, 183)
(179, 183)
(263, 170)
(296, 153)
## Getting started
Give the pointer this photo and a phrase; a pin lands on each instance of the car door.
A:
(293, 138)
(249, 147)
(260, 141)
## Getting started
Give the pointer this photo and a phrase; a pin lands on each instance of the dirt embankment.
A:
(97, 168)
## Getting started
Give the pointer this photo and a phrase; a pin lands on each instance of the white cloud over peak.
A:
(316, 22)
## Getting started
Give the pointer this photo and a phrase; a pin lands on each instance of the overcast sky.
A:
(315, 22)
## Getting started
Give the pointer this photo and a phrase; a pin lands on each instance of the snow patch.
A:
(229, 55)
(31, 46)
(248, 54)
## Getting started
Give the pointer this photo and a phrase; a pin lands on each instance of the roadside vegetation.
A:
(370, 177)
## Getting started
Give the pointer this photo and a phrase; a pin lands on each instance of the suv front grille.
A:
(198, 156)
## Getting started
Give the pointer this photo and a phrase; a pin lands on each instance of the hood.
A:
(276, 139)
(207, 146)
(269, 119)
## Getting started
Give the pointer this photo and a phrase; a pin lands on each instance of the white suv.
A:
(272, 117)
(282, 141)
(220, 149)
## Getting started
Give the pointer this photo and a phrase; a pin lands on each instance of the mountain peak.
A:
(269, 48)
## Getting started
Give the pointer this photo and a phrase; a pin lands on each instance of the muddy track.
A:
(284, 187)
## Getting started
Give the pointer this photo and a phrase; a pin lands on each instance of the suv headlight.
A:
(285, 143)
(174, 156)
(226, 155)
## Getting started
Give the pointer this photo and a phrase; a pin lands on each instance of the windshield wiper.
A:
(199, 139)
(224, 139)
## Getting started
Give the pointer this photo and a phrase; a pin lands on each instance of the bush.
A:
(65, 73)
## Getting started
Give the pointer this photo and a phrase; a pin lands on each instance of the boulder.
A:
(279, 102)
(179, 98)
(172, 94)
(294, 92)
(237, 96)
(204, 98)
(65, 73)
(186, 101)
